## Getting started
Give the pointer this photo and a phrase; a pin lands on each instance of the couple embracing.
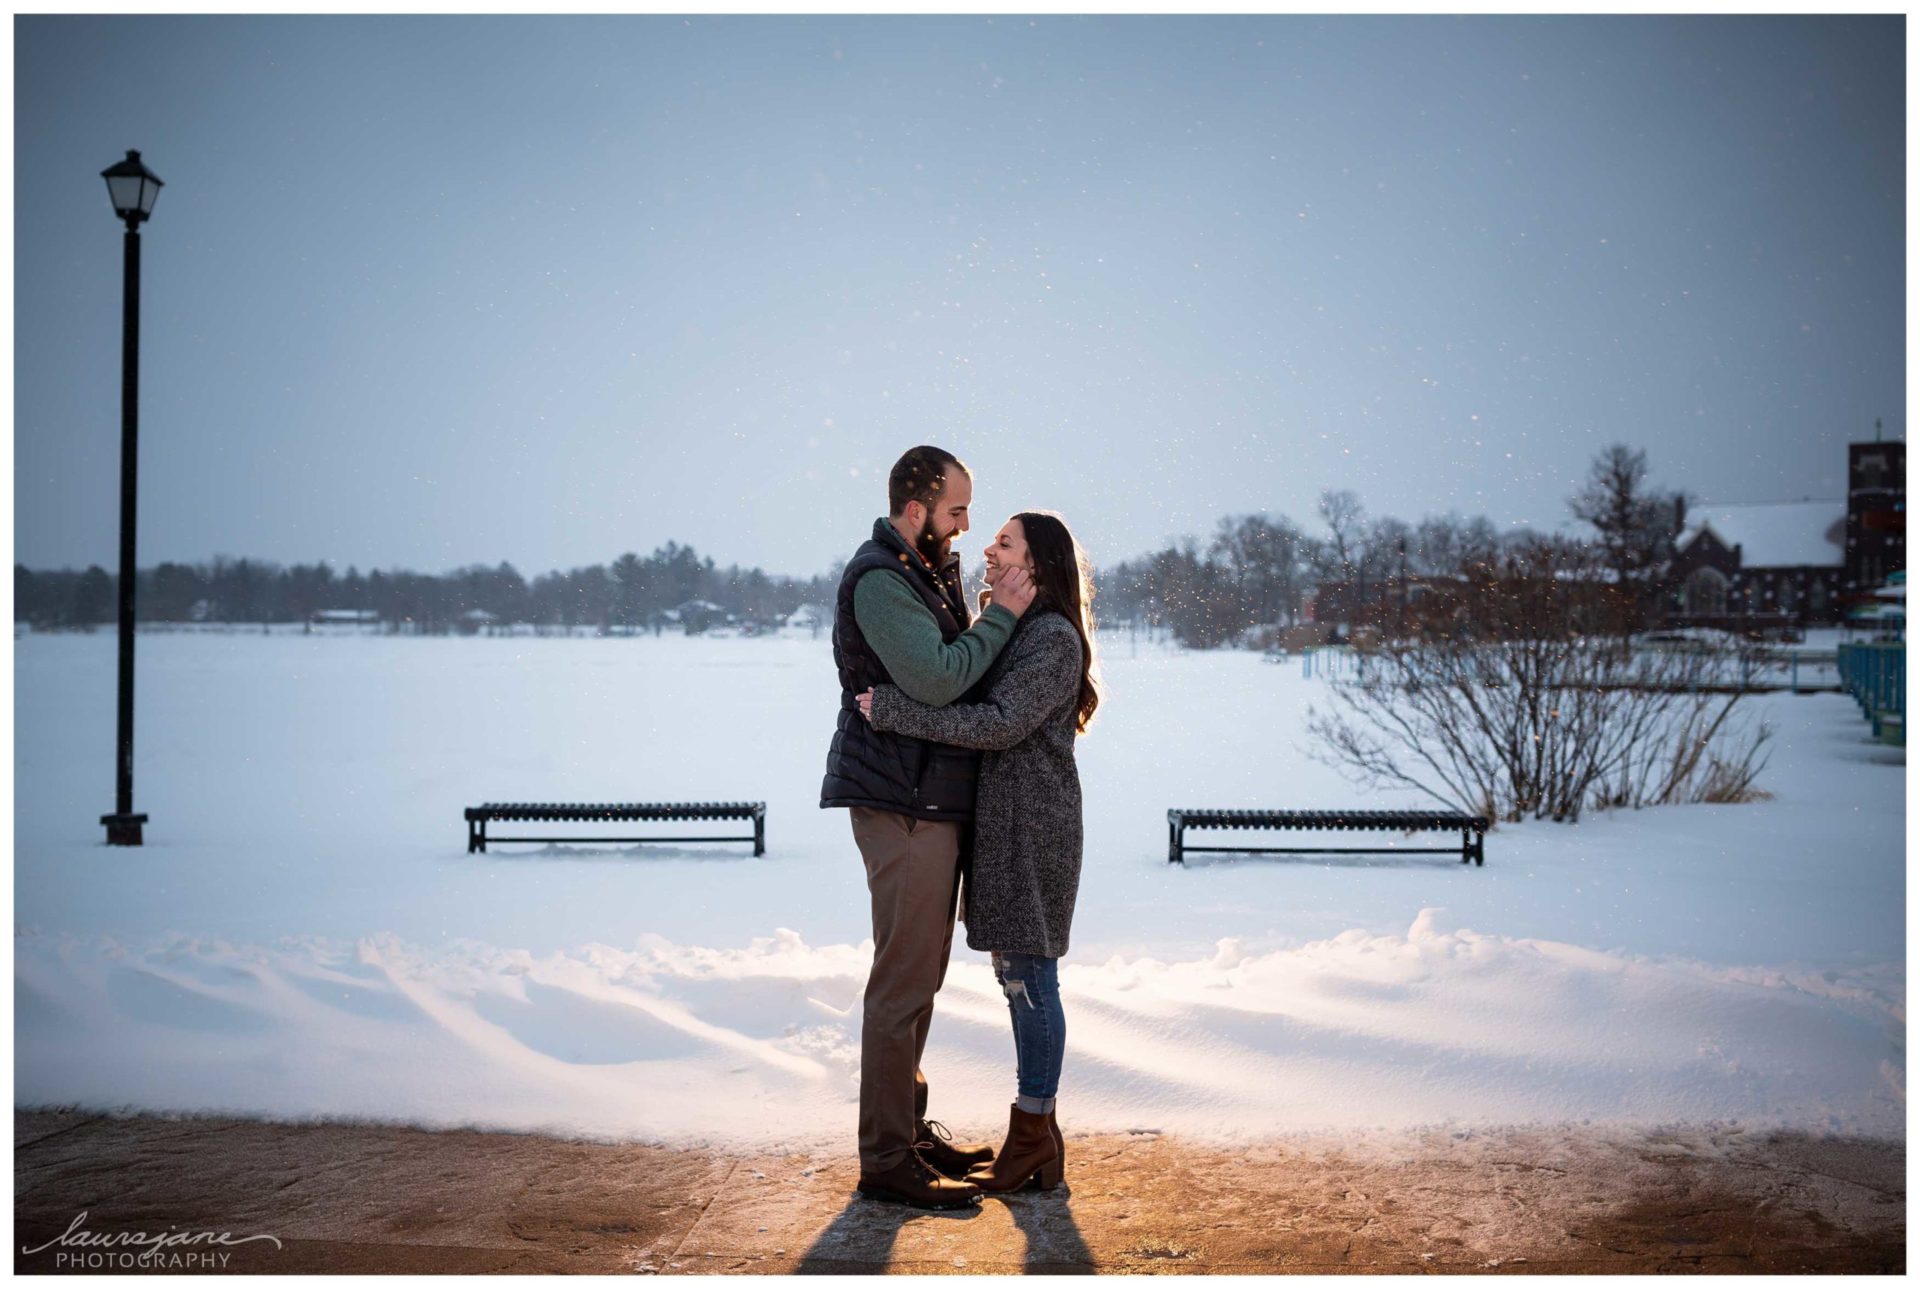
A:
(953, 753)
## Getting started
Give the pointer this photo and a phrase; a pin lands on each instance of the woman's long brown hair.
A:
(1063, 579)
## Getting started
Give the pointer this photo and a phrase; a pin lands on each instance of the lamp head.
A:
(132, 188)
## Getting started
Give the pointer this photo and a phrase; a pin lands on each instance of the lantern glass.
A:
(132, 188)
(125, 192)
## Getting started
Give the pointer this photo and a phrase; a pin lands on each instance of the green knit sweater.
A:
(906, 636)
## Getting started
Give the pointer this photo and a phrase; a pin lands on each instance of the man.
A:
(902, 619)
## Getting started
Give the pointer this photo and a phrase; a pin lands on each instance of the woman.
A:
(1040, 693)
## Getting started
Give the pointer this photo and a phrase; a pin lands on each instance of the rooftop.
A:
(1780, 534)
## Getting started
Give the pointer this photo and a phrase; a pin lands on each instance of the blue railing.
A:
(1875, 673)
(1328, 660)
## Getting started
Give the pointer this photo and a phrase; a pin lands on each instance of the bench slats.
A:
(570, 812)
(1472, 829)
(1344, 820)
(527, 810)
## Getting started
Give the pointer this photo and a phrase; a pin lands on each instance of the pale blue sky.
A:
(429, 291)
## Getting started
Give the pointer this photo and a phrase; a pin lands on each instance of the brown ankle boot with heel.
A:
(1029, 1156)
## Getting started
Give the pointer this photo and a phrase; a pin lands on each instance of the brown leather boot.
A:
(913, 1181)
(1029, 1156)
(1059, 1142)
(935, 1144)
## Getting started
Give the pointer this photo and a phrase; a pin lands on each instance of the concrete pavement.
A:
(387, 1199)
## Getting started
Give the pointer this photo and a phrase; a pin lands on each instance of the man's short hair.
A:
(920, 475)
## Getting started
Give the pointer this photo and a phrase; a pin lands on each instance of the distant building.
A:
(809, 617)
(1798, 562)
(1785, 560)
(1413, 601)
(344, 617)
(1876, 514)
(696, 616)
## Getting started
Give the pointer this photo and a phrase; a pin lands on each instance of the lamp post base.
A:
(123, 830)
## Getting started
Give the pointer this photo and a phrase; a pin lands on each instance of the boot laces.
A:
(923, 1165)
(936, 1129)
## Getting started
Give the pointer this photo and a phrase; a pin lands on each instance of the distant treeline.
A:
(1260, 574)
(1261, 570)
(633, 592)
(1256, 574)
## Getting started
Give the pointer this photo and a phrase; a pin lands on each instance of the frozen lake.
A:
(304, 900)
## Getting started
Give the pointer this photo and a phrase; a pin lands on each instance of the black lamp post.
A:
(132, 188)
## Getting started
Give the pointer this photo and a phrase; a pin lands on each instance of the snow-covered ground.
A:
(304, 935)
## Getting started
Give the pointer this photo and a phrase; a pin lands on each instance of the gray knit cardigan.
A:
(1027, 832)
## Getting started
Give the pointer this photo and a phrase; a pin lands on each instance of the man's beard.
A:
(932, 549)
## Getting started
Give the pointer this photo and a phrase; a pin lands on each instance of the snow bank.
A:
(304, 933)
(676, 1043)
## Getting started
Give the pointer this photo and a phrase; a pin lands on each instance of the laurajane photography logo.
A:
(169, 1250)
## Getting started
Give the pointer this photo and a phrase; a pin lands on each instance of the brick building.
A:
(1800, 563)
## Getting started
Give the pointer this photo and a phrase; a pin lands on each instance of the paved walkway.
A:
(343, 1199)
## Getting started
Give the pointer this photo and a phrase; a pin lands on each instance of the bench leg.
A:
(1174, 831)
(1479, 849)
(472, 844)
(482, 838)
(759, 835)
(1466, 844)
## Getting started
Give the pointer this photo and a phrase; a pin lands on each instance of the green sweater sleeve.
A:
(906, 635)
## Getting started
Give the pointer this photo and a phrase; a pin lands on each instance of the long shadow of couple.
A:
(863, 1235)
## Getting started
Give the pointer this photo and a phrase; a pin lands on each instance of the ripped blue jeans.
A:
(1032, 987)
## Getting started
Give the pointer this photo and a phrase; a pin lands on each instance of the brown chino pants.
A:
(913, 875)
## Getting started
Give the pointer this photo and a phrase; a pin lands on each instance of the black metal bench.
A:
(1472, 829)
(530, 812)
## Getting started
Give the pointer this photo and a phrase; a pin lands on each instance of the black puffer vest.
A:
(893, 771)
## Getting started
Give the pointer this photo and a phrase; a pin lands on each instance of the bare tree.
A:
(1261, 559)
(1635, 523)
(1343, 515)
(1526, 713)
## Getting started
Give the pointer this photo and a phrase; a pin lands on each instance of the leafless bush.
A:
(1540, 729)
(1551, 713)
(1728, 780)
